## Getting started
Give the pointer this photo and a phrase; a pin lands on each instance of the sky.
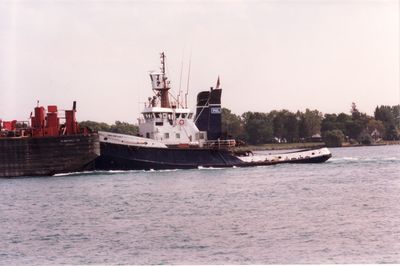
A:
(287, 54)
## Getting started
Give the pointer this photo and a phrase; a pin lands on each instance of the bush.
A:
(353, 142)
(333, 138)
(365, 138)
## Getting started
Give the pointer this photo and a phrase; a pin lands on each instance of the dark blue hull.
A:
(124, 157)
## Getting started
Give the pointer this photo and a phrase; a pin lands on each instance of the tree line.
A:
(286, 126)
(312, 125)
(117, 127)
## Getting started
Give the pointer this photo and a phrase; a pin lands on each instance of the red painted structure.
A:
(9, 125)
(47, 144)
(43, 124)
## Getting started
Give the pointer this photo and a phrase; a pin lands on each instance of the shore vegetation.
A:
(284, 128)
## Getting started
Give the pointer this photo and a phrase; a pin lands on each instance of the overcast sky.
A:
(269, 54)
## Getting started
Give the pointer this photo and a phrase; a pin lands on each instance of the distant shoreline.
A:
(308, 145)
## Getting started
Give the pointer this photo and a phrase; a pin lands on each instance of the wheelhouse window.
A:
(190, 115)
(201, 135)
(184, 115)
(177, 115)
(148, 116)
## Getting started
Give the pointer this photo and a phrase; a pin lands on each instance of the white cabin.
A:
(169, 123)
(172, 126)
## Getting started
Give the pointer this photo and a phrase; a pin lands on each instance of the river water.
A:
(346, 210)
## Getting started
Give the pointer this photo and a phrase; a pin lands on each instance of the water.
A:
(344, 211)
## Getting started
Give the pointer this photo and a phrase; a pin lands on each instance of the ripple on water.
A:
(342, 211)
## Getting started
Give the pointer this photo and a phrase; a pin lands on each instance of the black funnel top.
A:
(208, 113)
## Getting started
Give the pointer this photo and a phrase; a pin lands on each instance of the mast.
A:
(161, 85)
(188, 79)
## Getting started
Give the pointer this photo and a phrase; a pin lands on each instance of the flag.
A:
(217, 87)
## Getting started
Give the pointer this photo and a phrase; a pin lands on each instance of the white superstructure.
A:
(123, 139)
(167, 122)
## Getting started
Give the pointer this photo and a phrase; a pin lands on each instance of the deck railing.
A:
(220, 144)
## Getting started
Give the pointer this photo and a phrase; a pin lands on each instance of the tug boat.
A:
(173, 137)
(43, 146)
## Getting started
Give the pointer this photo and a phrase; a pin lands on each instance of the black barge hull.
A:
(46, 156)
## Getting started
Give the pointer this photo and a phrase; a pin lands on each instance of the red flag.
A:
(217, 83)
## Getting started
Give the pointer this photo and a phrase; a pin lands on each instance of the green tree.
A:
(341, 121)
(95, 126)
(291, 125)
(333, 138)
(390, 118)
(355, 114)
(258, 127)
(231, 124)
(278, 123)
(309, 123)
(396, 114)
(365, 138)
(124, 128)
(354, 128)
(329, 122)
(376, 128)
(117, 127)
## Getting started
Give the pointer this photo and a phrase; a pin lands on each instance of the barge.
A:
(44, 146)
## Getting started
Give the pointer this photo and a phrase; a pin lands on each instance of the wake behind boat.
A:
(172, 137)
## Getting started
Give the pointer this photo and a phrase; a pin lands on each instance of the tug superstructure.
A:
(172, 137)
